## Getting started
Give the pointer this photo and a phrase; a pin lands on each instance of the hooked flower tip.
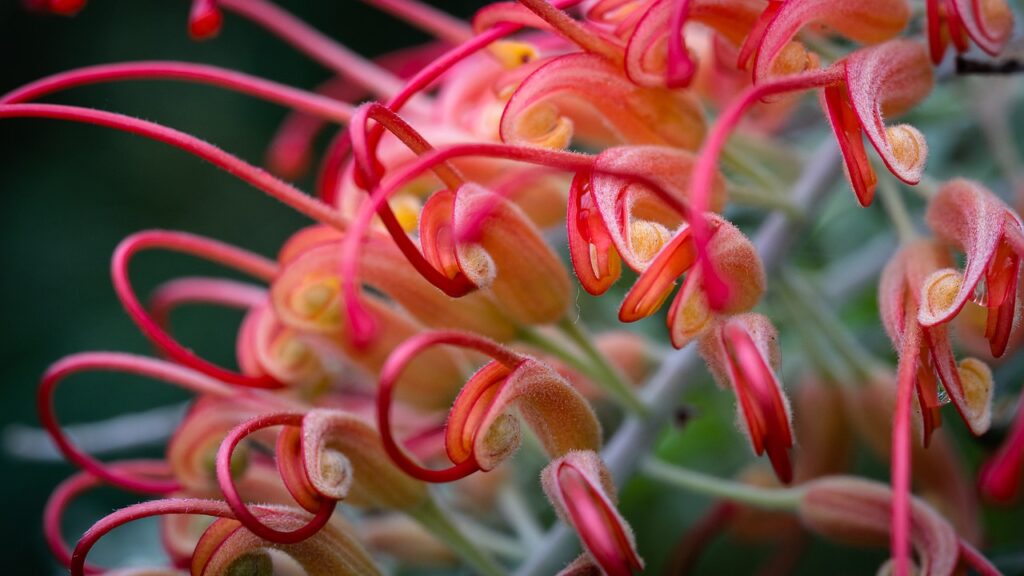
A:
(579, 486)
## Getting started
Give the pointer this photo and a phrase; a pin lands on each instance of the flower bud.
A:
(228, 548)
(481, 430)
(888, 79)
(605, 108)
(508, 256)
(581, 490)
(743, 353)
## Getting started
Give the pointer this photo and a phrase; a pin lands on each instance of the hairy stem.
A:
(715, 487)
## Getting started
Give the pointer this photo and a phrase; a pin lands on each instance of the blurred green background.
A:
(69, 193)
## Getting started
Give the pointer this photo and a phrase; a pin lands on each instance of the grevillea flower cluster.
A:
(406, 359)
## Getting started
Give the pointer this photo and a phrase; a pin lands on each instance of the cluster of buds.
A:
(407, 336)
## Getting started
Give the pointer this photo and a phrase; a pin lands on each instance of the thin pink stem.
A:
(282, 94)
(257, 177)
(392, 370)
(71, 488)
(316, 45)
(970, 556)
(198, 290)
(901, 439)
(227, 483)
(199, 246)
(716, 291)
(427, 18)
(575, 31)
(130, 364)
(680, 67)
(136, 512)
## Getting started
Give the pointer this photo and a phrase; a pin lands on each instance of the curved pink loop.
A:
(134, 512)
(198, 246)
(227, 483)
(116, 362)
(389, 375)
(74, 486)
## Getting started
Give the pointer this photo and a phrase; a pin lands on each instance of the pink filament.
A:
(716, 290)
(197, 246)
(316, 45)
(227, 483)
(117, 362)
(257, 177)
(392, 370)
(906, 378)
(71, 488)
(228, 293)
(134, 512)
(307, 102)
(680, 68)
(970, 556)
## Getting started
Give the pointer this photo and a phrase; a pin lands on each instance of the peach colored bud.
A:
(581, 490)
(340, 456)
(406, 541)
(509, 257)
(605, 107)
(480, 425)
(855, 511)
(228, 548)
(306, 294)
(482, 430)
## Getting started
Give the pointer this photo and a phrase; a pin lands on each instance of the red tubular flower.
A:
(743, 354)
(867, 22)
(969, 217)
(1001, 477)
(923, 353)
(880, 84)
(581, 490)
(989, 23)
(690, 315)
(481, 432)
